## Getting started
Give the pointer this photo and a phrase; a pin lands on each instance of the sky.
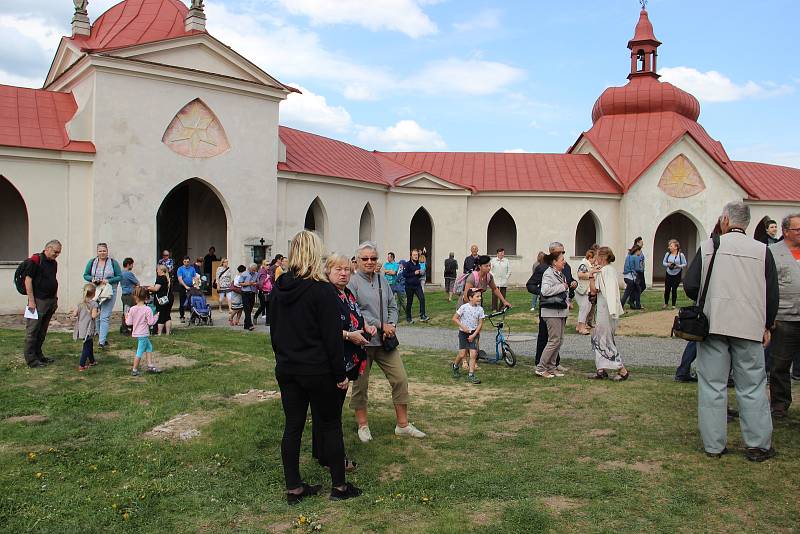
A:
(482, 75)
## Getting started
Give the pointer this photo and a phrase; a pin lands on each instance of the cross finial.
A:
(643, 3)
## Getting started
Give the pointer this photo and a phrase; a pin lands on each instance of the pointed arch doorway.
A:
(676, 226)
(13, 223)
(191, 219)
(421, 237)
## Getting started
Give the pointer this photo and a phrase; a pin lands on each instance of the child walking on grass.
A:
(85, 316)
(469, 319)
(140, 318)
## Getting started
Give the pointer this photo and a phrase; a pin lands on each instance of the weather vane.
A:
(644, 3)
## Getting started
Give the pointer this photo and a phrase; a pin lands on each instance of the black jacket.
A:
(306, 328)
(450, 267)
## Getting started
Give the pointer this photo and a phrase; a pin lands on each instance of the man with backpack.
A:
(37, 276)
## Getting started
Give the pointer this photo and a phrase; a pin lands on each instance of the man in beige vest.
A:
(741, 305)
(786, 336)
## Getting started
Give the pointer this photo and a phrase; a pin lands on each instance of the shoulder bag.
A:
(691, 323)
(389, 343)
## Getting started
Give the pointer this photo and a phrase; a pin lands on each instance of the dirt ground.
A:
(657, 323)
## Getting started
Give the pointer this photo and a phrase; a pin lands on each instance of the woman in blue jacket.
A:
(101, 271)
(632, 288)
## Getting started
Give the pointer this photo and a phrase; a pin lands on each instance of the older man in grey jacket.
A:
(377, 303)
(786, 336)
(741, 304)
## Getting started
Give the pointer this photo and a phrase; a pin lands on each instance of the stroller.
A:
(201, 312)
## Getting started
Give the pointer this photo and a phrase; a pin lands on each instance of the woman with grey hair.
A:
(377, 304)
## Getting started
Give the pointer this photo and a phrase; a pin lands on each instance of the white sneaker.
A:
(533, 309)
(364, 434)
(544, 374)
(557, 373)
(561, 369)
(409, 430)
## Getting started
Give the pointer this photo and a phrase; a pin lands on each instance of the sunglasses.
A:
(369, 258)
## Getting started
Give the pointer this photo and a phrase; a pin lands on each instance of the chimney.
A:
(196, 18)
(80, 21)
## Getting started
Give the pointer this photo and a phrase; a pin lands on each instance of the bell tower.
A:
(643, 47)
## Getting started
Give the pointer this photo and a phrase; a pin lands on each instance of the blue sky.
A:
(483, 75)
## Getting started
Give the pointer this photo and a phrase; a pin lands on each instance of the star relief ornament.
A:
(196, 132)
(681, 179)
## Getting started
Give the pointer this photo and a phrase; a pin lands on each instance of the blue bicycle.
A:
(502, 349)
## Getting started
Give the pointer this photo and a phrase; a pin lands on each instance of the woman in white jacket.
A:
(555, 305)
(604, 283)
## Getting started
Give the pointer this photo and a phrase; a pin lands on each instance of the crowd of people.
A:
(331, 318)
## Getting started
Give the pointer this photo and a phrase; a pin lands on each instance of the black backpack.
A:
(20, 273)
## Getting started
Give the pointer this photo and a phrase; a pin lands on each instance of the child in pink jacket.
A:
(140, 318)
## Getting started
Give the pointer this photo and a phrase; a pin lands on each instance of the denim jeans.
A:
(87, 352)
(689, 355)
(410, 292)
(104, 319)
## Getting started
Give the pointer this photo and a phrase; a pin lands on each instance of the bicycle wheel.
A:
(508, 355)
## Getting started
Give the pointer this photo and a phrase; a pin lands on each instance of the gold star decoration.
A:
(196, 132)
(681, 179)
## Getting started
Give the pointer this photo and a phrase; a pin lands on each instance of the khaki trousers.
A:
(392, 366)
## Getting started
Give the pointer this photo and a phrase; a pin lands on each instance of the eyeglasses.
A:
(369, 258)
(788, 230)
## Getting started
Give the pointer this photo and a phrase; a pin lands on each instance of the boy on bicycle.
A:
(469, 319)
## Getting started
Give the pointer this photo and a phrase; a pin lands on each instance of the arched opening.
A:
(365, 225)
(676, 226)
(640, 61)
(586, 234)
(501, 233)
(315, 218)
(421, 237)
(13, 223)
(760, 231)
(190, 220)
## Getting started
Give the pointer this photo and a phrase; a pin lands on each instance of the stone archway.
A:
(587, 233)
(191, 219)
(501, 233)
(316, 220)
(366, 225)
(13, 223)
(675, 226)
(421, 237)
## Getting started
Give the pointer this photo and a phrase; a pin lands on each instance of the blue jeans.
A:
(87, 352)
(534, 301)
(104, 319)
(689, 355)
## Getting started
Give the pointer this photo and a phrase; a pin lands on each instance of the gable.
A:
(427, 181)
(66, 55)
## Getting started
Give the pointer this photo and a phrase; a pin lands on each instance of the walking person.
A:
(450, 274)
(469, 320)
(582, 292)
(248, 281)
(264, 287)
(786, 336)
(542, 335)
(393, 273)
(41, 288)
(632, 288)
(555, 306)
(163, 297)
(128, 283)
(306, 336)
(501, 272)
(639, 242)
(140, 318)
(104, 272)
(413, 274)
(603, 283)
(377, 304)
(185, 276)
(469, 261)
(224, 280)
(741, 303)
(85, 317)
(674, 262)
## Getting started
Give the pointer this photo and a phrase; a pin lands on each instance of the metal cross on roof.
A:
(643, 3)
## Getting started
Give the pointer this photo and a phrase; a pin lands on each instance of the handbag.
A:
(104, 292)
(691, 323)
(389, 343)
(162, 301)
(554, 302)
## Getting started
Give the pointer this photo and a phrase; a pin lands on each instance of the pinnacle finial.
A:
(80, 20)
(643, 4)
(196, 18)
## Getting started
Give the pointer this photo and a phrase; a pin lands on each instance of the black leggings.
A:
(317, 439)
(410, 292)
(263, 306)
(325, 399)
(671, 283)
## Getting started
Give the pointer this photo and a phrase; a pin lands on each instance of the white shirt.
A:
(501, 271)
(470, 315)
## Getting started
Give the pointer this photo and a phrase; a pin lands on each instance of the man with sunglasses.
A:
(377, 303)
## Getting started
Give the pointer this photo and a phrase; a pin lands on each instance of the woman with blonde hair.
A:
(603, 283)
(674, 262)
(582, 292)
(306, 334)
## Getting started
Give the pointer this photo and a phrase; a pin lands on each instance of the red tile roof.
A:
(770, 182)
(133, 22)
(35, 118)
(478, 171)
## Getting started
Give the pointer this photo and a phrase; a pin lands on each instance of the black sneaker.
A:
(36, 363)
(685, 379)
(45, 359)
(308, 491)
(717, 454)
(755, 454)
(349, 492)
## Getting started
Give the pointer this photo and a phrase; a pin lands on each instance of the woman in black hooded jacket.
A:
(306, 335)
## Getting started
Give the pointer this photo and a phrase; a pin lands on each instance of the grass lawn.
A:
(520, 318)
(515, 454)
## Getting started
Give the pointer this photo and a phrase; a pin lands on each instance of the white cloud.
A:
(405, 16)
(9, 78)
(406, 135)
(766, 154)
(310, 110)
(488, 19)
(465, 76)
(712, 86)
(515, 151)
